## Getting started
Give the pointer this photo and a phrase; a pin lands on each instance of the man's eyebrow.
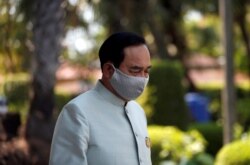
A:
(138, 67)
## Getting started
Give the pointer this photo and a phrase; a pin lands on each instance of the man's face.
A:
(136, 61)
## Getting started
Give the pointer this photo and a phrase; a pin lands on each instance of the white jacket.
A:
(98, 128)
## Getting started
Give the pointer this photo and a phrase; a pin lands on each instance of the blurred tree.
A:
(154, 22)
(204, 6)
(47, 19)
(81, 24)
(174, 34)
(203, 35)
(240, 17)
(13, 54)
(173, 27)
(228, 97)
(142, 16)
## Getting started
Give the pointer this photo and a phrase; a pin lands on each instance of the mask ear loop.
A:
(112, 67)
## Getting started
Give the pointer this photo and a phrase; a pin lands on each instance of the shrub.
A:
(214, 95)
(165, 96)
(243, 112)
(235, 153)
(213, 134)
(201, 159)
(146, 102)
(16, 91)
(170, 143)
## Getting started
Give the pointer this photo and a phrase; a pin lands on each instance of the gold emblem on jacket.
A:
(147, 141)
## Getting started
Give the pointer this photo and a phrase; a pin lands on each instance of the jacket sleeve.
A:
(70, 139)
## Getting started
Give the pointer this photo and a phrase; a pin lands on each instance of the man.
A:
(104, 126)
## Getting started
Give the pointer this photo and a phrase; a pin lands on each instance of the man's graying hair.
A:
(112, 48)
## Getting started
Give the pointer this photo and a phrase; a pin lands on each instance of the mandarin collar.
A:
(109, 96)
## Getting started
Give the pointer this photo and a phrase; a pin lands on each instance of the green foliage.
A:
(147, 103)
(214, 96)
(203, 36)
(16, 89)
(215, 106)
(243, 112)
(235, 153)
(240, 58)
(165, 96)
(170, 143)
(201, 159)
(213, 134)
(203, 6)
(15, 57)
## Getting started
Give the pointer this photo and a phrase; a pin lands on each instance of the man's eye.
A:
(135, 71)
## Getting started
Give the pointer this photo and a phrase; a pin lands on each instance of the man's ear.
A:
(107, 70)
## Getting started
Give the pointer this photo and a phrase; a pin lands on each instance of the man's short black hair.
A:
(112, 48)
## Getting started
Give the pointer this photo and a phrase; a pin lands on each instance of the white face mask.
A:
(129, 87)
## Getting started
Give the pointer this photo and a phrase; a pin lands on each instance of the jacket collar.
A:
(107, 95)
